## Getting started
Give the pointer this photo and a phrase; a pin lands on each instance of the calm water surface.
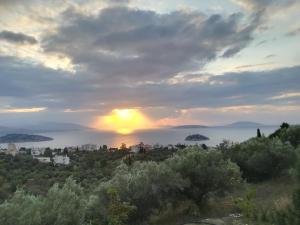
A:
(161, 136)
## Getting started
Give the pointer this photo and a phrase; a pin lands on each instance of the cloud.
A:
(23, 85)
(18, 38)
(83, 96)
(267, 114)
(263, 4)
(23, 110)
(270, 56)
(286, 95)
(293, 32)
(124, 44)
(255, 65)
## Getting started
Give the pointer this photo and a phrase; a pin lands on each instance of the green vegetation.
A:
(288, 133)
(262, 158)
(165, 187)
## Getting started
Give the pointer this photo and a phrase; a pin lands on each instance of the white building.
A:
(11, 149)
(61, 160)
(89, 147)
(141, 148)
(37, 151)
(135, 149)
(43, 159)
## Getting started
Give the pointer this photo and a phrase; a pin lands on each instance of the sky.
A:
(173, 61)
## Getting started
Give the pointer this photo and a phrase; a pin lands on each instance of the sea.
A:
(158, 136)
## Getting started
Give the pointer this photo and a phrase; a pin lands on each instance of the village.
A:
(58, 156)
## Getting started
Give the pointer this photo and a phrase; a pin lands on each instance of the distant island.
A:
(189, 127)
(239, 124)
(196, 137)
(19, 138)
(246, 124)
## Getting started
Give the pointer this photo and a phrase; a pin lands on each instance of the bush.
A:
(262, 158)
(246, 204)
(21, 209)
(207, 172)
(144, 184)
(61, 206)
(292, 135)
(118, 211)
(191, 174)
(64, 206)
(288, 133)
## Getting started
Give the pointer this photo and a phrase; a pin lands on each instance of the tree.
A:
(22, 209)
(104, 148)
(64, 206)
(123, 147)
(262, 158)
(258, 133)
(288, 133)
(207, 172)
(279, 131)
(61, 206)
(118, 211)
(48, 152)
(292, 135)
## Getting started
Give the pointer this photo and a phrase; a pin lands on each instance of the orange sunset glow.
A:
(123, 121)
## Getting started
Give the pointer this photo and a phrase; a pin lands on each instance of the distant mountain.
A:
(20, 138)
(247, 124)
(239, 124)
(7, 130)
(54, 127)
(42, 127)
(189, 127)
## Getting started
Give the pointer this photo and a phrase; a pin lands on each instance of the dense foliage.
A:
(190, 174)
(61, 206)
(132, 194)
(206, 172)
(261, 158)
(288, 133)
(88, 168)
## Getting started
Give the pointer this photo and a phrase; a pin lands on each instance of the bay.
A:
(158, 136)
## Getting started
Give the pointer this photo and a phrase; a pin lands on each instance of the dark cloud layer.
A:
(18, 38)
(36, 86)
(139, 45)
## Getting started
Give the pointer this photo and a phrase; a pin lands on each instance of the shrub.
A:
(288, 133)
(191, 174)
(144, 184)
(207, 172)
(64, 206)
(61, 206)
(246, 204)
(292, 135)
(21, 209)
(118, 211)
(262, 158)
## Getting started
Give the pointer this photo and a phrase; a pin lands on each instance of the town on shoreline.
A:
(60, 156)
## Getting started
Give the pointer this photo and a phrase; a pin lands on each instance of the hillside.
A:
(20, 138)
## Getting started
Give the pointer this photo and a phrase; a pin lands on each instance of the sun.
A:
(123, 121)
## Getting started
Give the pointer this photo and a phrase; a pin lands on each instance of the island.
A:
(190, 127)
(19, 138)
(196, 137)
